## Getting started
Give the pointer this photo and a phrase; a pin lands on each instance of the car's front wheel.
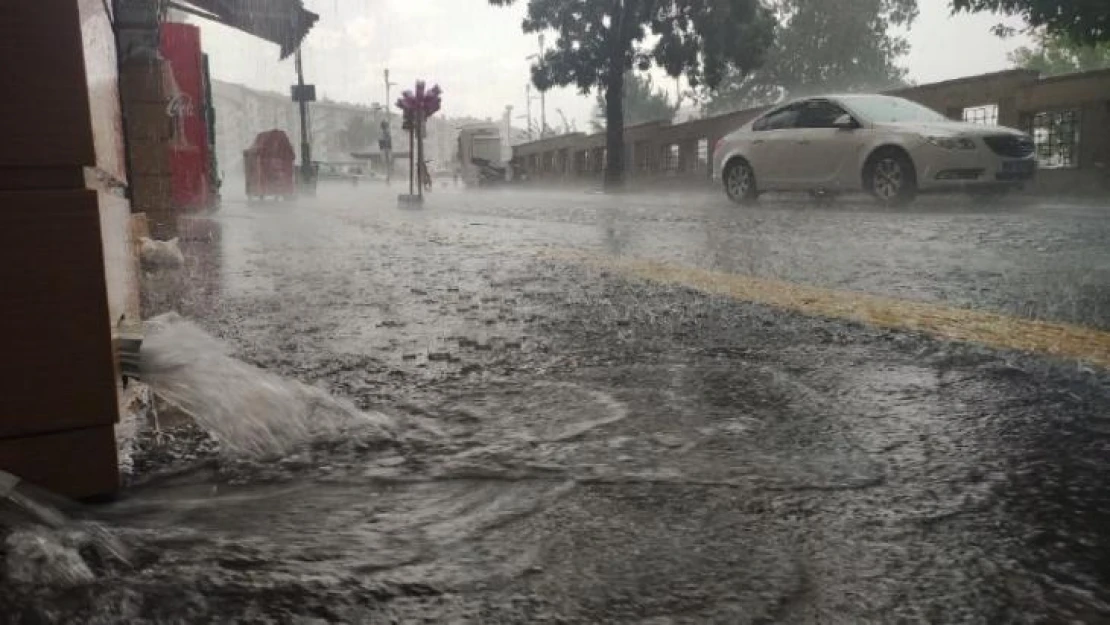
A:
(739, 182)
(890, 177)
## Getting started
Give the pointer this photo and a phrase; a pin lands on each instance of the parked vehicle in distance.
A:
(482, 155)
(887, 146)
(341, 172)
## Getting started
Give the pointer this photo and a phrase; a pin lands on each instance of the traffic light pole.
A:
(308, 174)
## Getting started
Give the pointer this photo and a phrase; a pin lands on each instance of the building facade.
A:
(243, 112)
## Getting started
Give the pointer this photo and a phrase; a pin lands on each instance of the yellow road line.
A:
(991, 329)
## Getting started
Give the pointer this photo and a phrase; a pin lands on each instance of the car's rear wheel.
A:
(891, 178)
(739, 182)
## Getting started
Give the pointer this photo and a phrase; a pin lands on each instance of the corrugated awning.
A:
(284, 22)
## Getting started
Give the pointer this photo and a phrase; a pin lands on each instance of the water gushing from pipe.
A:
(249, 411)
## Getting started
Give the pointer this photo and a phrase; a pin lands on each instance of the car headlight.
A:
(952, 143)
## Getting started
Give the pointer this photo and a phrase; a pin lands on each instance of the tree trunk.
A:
(614, 124)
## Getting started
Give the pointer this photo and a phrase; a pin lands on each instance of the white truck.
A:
(482, 157)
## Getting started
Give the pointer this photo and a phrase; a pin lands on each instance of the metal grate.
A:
(670, 157)
(1056, 135)
(1010, 146)
(643, 156)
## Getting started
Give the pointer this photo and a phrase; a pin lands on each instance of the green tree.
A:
(822, 46)
(642, 103)
(359, 133)
(1056, 54)
(599, 41)
(1085, 22)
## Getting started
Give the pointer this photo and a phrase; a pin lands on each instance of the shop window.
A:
(986, 114)
(670, 157)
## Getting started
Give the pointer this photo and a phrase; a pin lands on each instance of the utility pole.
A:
(543, 101)
(302, 95)
(386, 143)
(528, 99)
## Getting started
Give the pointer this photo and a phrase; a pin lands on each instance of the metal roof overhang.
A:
(284, 22)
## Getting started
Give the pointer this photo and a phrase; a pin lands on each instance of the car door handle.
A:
(757, 142)
(803, 142)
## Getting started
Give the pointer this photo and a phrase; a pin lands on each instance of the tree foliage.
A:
(1082, 21)
(599, 41)
(643, 103)
(359, 133)
(1056, 54)
(823, 46)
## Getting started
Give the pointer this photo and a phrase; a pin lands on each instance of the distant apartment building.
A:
(242, 113)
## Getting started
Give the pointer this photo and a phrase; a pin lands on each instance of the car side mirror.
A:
(845, 122)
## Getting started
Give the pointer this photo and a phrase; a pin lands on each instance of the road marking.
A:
(1061, 340)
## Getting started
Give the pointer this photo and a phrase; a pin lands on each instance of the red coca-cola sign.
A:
(189, 144)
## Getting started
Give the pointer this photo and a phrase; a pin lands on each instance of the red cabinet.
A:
(268, 165)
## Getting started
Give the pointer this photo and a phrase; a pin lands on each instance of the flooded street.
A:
(553, 440)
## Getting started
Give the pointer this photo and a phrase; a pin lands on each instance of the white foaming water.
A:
(36, 556)
(250, 411)
(42, 545)
(41, 555)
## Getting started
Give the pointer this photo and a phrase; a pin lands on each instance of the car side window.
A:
(786, 117)
(819, 114)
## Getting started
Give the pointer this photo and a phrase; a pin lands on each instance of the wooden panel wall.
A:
(66, 272)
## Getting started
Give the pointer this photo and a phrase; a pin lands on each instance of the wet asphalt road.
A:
(1027, 257)
(576, 446)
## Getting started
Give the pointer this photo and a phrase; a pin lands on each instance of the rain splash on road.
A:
(304, 494)
(532, 440)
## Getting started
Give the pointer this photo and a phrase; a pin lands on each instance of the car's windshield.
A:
(888, 109)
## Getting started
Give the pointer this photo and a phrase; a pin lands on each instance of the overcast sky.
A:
(477, 53)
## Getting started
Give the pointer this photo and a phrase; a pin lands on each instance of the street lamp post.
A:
(387, 100)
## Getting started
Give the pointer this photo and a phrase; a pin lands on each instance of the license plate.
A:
(1018, 166)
